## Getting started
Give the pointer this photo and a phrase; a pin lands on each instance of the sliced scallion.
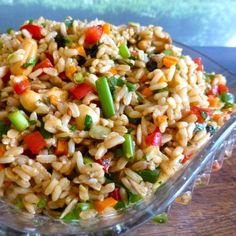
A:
(124, 51)
(128, 146)
(18, 120)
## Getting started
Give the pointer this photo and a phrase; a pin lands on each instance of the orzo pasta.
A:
(94, 117)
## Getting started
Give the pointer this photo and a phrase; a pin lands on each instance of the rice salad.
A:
(94, 117)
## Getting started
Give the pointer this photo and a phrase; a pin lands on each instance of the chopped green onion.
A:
(83, 206)
(68, 41)
(87, 122)
(227, 98)
(150, 175)
(160, 219)
(73, 128)
(105, 97)
(3, 128)
(87, 160)
(124, 51)
(131, 87)
(32, 122)
(31, 62)
(133, 198)
(227, 105)
(78, 78)
(130, 130)
(140, 97)
(208, 76)
(68, 22)
(9, 30)
(163, 89)
(120, 205)
(18, 120)
(42, 202)
(132, 58)
(99, 132)
(120, 82)
(30, 21)
(73, 215)
(44, 132)
(19, 203)
(128, 146)
(167, 52)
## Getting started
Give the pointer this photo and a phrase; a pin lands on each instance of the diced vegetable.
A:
(106, 28)
(128, 146)
(93, 34)
(169, 61)
(35, 142)
(147, 92)
(18, 120)
(107, 202)
(151, 65)
(160, 219)
(31, 62)
(78, 78)
(154, 138)
(6, 77)
(222, 88)
(2, 151)
(81, 90)
(116, 194)
(134, 198)
(186, 158)
(120, 205)
(213, 91)
(62, 147)
(19, 203)
(46, 63)
(99, 132)
(70, 71)
(131, 86)
(213, 101)
(9, 30)
(60, 40)
(124, 51)
(87, 160)
(150, 175)
(105, 162)
(87, 122)
(21, 86)
(34, 30)
(143, 79)
(81, 51)
(3, 128)
(42, 202)
(81, 60)
(227, 98)
(73, 127)
(198, 61)
(83, 206)
(201, 113)
(167, 52)
(105, 97)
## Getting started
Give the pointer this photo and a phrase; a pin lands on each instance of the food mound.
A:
(94, 117)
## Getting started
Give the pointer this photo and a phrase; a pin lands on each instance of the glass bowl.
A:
(177, 188)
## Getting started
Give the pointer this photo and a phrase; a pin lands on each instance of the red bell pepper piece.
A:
(21, 86)
(34, 30)
(93, 34)
(81, 90)
(223, 88)
(186, 158)
(46, 63)
(35, 142)
(154, 138)
(105, 162)
(49, 57)
(198, 112)
(198, 61)
(116, 194)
